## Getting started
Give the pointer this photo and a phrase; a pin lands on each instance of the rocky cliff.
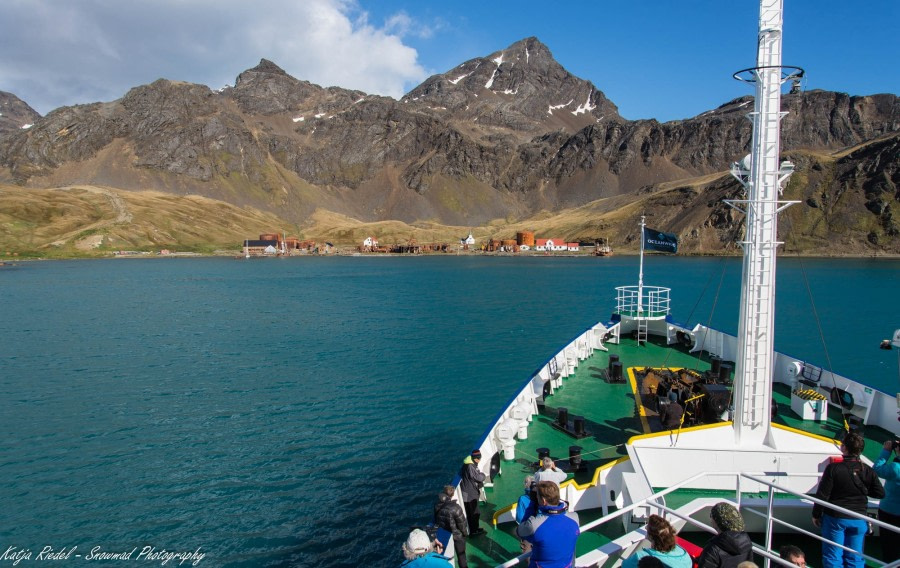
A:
(15, 114)
(506, 136)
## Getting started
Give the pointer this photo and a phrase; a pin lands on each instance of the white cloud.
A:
(59, 52)
(403, 25)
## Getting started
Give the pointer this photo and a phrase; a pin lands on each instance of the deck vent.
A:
(542, 453)
(715, 363)
(613, 358)
(725, 373)
(578, 425)
(615, 372)
(575, 463)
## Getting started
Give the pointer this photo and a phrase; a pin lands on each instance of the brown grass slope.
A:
(91, 220)
(845, 206)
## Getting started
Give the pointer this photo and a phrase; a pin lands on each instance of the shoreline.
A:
(236, 255)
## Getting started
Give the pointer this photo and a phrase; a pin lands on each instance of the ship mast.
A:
(762, 176)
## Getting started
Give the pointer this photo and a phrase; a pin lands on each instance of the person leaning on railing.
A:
(847, 483)
(889, 508)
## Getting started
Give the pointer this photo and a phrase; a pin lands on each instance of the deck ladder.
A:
(642, 330)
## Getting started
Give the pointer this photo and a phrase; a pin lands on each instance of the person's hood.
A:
(676, 552)
(554, 509)
(734, 542)
(468, 460)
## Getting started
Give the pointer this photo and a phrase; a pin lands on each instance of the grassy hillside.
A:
(831, 218)
(95, 221)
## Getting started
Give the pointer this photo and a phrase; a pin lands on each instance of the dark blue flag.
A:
(662, 242)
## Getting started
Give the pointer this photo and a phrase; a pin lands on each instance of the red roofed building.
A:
(551, 245)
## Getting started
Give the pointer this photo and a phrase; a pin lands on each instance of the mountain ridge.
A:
(511, 135)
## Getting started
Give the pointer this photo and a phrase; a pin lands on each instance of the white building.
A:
(550, 245)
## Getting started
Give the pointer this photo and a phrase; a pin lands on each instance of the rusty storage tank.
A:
(292, 242)
(269, 237)
(508, 244)
(525, 238)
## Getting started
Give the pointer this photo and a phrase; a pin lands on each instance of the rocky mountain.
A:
(520, 89)
(15, 114)
(509, 136)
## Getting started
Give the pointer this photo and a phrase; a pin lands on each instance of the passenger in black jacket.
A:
(471, 480)
(732, 545)
(847, 483)
(448, 515)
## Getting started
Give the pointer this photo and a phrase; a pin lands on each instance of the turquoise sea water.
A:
(304, 412)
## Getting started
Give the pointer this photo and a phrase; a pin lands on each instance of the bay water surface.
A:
(306, 411)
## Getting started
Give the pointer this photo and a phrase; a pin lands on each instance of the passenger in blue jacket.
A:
(526, 507)
(553, 532)
(889, 508)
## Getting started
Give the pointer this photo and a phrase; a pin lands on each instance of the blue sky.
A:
(662, 59)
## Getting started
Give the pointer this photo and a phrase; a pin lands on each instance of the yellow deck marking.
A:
(637, 399)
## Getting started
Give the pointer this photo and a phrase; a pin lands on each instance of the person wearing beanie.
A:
(848, 483)
(661, 535)
(419, 552)
(449, 516)
(732, 545)
(889, 507)
(470, 484)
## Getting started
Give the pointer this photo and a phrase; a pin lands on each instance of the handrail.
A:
(809, 498)
(773, 487)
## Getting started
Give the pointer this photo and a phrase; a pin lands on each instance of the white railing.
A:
(619, 546)
(653, 303)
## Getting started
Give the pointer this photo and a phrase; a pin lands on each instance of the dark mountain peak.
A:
(15, 114)
(266, 66)
(521, 87)
(266, 70)
(531, 51)
(268, 89)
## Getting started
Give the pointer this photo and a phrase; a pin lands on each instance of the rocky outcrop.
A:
(15, 114)
(267, 89)
(522, 89)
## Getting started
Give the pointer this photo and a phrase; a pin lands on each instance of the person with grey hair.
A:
(527, 504)
(549, 472)
(419, 552)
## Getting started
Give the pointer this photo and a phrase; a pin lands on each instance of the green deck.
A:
(611, 418)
